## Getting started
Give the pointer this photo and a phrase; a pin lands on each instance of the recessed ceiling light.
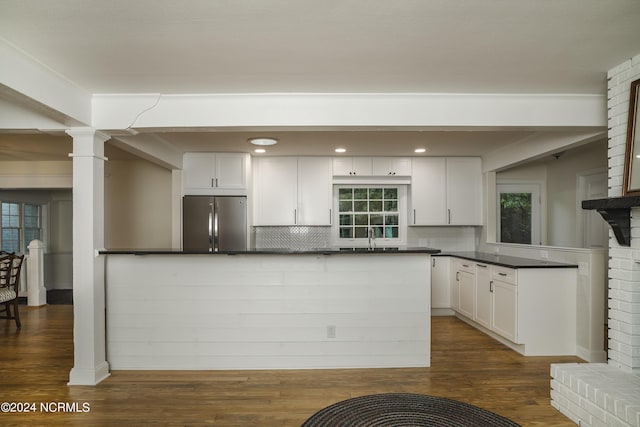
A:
(419, 150)
(260, 150)
(341, 150)
(263, 141)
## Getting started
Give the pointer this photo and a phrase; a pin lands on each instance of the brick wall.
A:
(624, 264)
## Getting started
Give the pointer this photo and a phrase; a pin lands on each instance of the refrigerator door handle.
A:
(210, 226)
(216, 229)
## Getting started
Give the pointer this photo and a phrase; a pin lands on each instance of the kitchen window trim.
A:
(380, 241)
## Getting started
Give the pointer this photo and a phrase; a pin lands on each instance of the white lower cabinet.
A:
(484, 299)
(504, 315)
(462, 286)
(467, 282)
(440, 283)
(532, 309)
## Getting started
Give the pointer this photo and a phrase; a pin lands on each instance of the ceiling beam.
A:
(372, 111)
(150, 147)
(26, 81)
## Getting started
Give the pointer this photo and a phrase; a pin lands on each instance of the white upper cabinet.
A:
(446, 191)
(292, 191)
(215, 173)
(371, 166)
(353, 166)
(464, 191)
(275, 190)
(391, 166)
(428, 191)
(314, 191)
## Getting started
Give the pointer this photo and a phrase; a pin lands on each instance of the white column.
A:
(90, 365)
(36, 292)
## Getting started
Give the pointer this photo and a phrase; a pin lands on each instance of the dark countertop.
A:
(507, 261)
(276, 251)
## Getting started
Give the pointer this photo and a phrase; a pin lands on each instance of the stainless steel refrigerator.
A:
(214, 223)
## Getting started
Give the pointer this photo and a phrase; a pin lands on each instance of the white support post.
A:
(36, 292)
(90, 365)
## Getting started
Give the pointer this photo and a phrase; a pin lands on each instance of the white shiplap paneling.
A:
(268, 311)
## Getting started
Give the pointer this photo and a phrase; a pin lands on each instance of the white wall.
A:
(138, 205)
(562, 186)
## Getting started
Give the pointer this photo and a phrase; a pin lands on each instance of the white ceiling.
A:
(374, 46)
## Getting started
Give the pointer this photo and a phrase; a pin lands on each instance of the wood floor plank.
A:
(466, 365)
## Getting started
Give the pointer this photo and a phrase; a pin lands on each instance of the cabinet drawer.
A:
(504, 274)
(467, 266)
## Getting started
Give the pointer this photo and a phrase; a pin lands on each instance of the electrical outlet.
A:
(331, 331)
(544, 254)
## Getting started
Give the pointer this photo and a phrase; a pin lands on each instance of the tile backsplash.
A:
(292, 237)
(304, 237)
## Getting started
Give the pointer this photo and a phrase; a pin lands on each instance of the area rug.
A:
(405, 409)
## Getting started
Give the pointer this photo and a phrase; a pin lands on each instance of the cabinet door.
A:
(276, 187)
(464, 191)
(198, 171)
(342, 165)
(401, 166)
(230, 171)
(440, 282)
(391, 166)
(362, 166)
(314, 191)
(428, 191)
(381, 166)
(455, 290)
(484, 300)
(505, 310)
(467, 293)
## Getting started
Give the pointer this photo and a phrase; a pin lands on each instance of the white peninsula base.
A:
(184, 312)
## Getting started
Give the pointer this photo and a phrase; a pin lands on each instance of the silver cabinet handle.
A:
(480, 265)
(330, 218)
(449, 216)
(414, 216)
(502, 274)
(491, 286)
(295, 216)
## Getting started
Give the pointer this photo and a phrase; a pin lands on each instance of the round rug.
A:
(405, 409)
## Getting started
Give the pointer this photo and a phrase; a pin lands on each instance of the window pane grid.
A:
(21, 223)
(370, 208)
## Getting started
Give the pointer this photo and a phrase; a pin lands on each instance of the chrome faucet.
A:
(372, 239)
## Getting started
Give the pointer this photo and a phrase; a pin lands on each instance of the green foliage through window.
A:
(515, 218)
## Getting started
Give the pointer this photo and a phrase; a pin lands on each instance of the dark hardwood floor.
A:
(466, 365)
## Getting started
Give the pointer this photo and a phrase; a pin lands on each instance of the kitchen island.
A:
(268, 309)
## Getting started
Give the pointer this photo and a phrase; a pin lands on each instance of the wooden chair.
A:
(10, 266)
